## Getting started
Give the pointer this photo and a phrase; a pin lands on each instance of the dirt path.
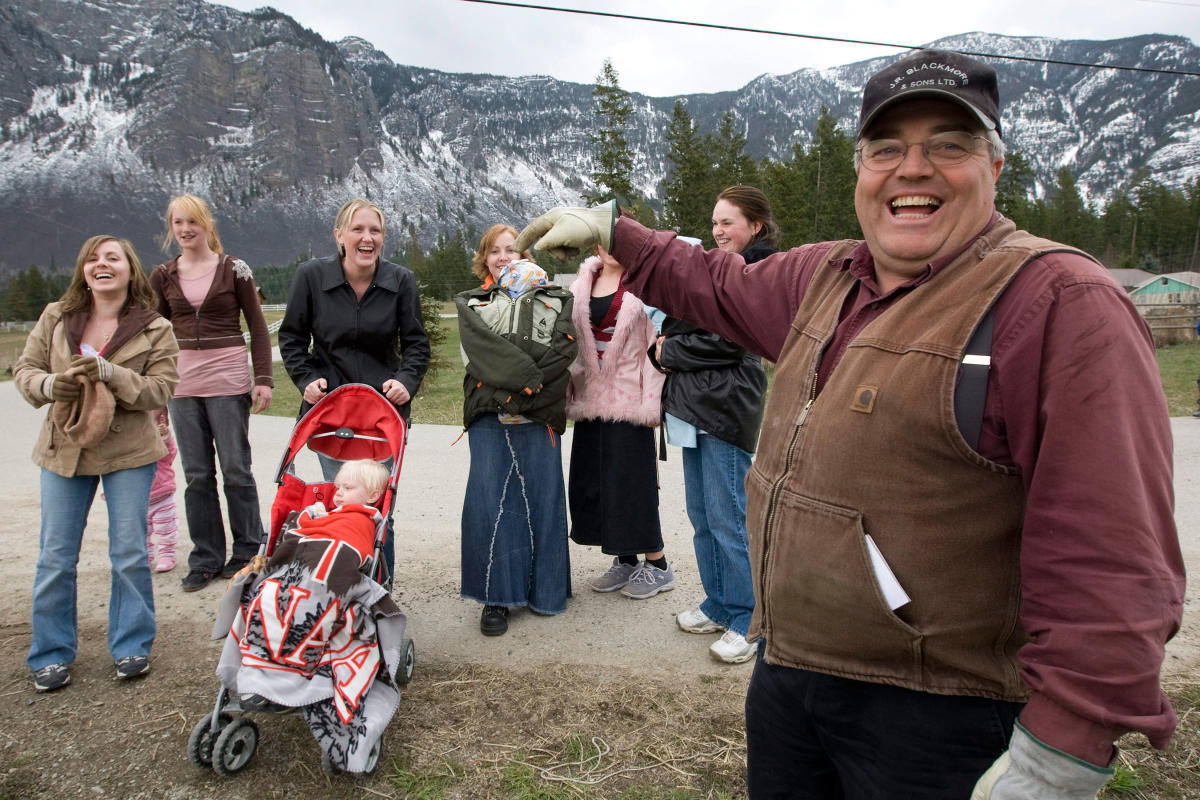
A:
(103, 739)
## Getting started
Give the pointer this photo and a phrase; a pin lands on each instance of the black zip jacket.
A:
(711, 382)
(327, 332)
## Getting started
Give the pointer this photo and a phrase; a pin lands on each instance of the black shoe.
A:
(234, 567)
(197, 580)
(47, 679)
(132, 667)
(493, 621)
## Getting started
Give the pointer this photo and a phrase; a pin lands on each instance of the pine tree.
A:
(1013, 189)
(687, 190)
(831, 169)
(612, 154)
(732, 164)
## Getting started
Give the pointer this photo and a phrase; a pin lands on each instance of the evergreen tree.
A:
(612, 154)
(831, 169)
(1013, 189)
(1068, 218)
(15, 306)
(732, 166)
(1118, 230)
(686, 192)
(37, 291)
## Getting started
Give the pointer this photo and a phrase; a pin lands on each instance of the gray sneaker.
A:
(648, 580)
(617, 576)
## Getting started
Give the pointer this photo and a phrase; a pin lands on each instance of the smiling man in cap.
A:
(960, 518)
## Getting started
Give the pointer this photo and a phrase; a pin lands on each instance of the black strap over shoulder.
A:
(971, 392)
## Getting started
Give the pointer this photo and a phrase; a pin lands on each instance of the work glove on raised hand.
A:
(58, 387)
(1033, 769)
(564, 231)
(95, 368)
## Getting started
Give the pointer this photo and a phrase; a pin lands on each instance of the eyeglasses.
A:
(942, 150)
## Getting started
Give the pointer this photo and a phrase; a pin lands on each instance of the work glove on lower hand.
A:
(63, 388)
(564, 231)
(94, 368)
(1033, 769)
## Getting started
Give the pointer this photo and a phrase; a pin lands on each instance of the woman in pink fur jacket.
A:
(615, 398)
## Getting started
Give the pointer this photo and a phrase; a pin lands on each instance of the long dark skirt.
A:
(614, 488)
(514, 520)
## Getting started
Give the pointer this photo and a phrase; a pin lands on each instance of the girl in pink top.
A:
(162, 522)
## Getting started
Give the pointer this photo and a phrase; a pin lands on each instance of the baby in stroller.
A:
(308, 630)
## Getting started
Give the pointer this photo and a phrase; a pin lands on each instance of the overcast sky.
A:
(659, 59)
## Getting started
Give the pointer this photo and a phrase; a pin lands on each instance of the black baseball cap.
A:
(938, 74)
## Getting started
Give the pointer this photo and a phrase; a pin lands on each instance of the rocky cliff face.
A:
(108, 108)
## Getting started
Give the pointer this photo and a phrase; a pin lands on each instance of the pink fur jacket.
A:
(624, 386)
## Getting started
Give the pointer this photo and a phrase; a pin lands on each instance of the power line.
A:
(837, 39)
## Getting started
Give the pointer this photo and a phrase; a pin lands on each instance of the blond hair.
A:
(347, 212)
(190, 205)
(371, 475)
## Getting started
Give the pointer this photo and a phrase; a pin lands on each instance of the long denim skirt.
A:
(514, 520)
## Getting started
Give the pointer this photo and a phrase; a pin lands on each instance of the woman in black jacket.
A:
(355, 318)
(713, 407)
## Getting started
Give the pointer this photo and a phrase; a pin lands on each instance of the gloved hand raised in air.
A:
(564, 231)
(1033, 769)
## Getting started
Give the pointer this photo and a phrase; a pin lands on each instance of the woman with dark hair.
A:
(105, 359)
(205, 293)
(355, 317)
(712, 408)
(518, 344)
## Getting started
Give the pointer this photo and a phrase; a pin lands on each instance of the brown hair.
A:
(479, 260)
(347, 212)
(78, 296)
(756, 208)
(195, 207)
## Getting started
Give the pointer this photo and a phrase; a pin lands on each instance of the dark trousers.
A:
(810, 735)
(208, 429)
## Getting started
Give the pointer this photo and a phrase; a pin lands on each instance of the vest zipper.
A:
(772, 504)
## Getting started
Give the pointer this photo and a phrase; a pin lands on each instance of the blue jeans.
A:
(65, 506)
(811, 736)
(202, 423)
(714, 481)
(329, 471)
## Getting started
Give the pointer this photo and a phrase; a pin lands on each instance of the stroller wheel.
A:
(200, 743)
(235, 746)
(405, 673)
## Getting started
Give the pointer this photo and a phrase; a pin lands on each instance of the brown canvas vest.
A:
(879, 452)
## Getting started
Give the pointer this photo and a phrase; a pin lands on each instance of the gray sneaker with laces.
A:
(648, 580)
(616, 577)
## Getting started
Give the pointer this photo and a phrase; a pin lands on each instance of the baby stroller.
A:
(281, 654)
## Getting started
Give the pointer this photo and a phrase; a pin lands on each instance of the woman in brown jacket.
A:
(105, 359)
(204, 293)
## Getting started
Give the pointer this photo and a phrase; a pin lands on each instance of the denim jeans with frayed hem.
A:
(203, 424)
(65, 506)
(714, 481)
(514, 520)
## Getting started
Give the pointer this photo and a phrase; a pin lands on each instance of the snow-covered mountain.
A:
(109, 107)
